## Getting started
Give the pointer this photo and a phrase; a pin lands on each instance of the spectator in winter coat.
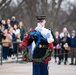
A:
(6, 39)
(65, 41)
(73, 47)
(57, 46)
(22, 30)
(12, 47)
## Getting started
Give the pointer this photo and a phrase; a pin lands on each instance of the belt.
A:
(42, 46)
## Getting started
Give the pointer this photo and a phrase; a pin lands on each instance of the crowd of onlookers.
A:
(65, 46)
(11, 31)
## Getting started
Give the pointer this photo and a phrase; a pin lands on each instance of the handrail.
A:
(10, 42)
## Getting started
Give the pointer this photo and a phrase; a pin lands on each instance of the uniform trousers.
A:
(40, 69)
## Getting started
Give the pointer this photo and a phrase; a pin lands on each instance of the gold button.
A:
(40, 46)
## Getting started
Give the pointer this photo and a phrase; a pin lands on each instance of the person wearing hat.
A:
(13, 21)
(73, 47)
(42, 40)
(42, 68)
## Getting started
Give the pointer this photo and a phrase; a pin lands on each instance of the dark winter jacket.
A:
(73, 42)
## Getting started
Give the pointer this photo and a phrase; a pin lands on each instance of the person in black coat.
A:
(13, 21)
(57, 45)
(4, 25)
(1, 33)
(65, 41)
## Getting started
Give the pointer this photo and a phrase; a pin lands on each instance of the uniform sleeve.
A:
(50, 38)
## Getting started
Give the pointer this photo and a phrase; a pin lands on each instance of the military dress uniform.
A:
(41, 38)
(40, 50)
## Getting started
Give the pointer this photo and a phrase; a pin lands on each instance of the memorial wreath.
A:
(24, 48)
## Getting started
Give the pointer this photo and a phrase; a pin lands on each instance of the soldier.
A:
(41, 41)
(42, 68)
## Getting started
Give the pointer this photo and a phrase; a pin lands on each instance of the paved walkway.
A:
(26, 69)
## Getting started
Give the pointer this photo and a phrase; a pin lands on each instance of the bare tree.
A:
(5, 5)
(57, 13)
(2, 2)
(27, 10)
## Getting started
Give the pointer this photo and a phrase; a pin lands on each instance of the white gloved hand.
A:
(50, 39)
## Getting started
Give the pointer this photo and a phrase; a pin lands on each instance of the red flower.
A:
(50, 45)
(33, 60)
(46, 60)
(25, 41)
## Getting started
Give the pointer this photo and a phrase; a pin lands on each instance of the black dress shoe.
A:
(75, 64)
(71, 64)
(59, 63)
(65, 63)
(55, 61)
